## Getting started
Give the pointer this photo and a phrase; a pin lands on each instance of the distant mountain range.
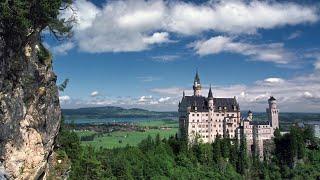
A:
(118, 112)
(115, 112)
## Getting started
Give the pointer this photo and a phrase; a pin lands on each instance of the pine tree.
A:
(243, 157)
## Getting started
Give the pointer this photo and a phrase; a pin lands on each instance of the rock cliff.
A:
(29, 110)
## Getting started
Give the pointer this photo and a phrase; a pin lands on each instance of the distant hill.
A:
(115, 112)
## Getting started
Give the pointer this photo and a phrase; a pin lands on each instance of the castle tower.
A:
(196, 85)
(273, 113)
(210, 100)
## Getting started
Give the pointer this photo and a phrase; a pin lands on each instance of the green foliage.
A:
(242, 164)
(20, 19)
(63, 85)
(157, 158)
(44, 55)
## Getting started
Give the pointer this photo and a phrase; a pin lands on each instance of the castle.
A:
(209, 117)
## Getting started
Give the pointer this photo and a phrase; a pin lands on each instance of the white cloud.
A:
(307, 94)
(94, 94)
(272, 81)
(62, 48)
(158, 37)
(144, 98)
(64, 98)
(166, 58)
(317, 65)
(134, 25)
(274, 52)
(294, 35)
(164, 99)
(237, 16)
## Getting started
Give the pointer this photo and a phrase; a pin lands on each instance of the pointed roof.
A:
(196, 78)
(210, 96)
(249, 112)
(272, 98)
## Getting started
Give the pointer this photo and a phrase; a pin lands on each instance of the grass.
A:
(158, 123)
(132, 138)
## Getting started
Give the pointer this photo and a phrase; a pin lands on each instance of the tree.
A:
(216, 149)
(243, 157)
(22, 20)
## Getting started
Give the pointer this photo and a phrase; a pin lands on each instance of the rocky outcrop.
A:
(29, 110)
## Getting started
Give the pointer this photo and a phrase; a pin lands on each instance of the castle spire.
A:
(183, 94)
(210, 96)
(196, 78)
(197, 85)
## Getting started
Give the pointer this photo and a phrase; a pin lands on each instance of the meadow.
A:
(123, 138)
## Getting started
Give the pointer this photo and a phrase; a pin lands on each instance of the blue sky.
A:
(145, 53)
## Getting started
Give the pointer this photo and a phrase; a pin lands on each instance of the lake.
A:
(81, 120)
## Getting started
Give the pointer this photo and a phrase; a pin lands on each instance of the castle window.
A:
(222, 114)
(192, 114)
(192, 120)
(206, 114)
(193, 126)
(218, 114)
(197, 114)
(198, 120)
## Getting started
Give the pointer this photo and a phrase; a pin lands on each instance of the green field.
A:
(158, 123)
(132, 138)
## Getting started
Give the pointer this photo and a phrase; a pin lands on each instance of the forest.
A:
(295, 155)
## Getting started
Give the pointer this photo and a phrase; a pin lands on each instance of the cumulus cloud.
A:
(274, 52)
(135, 25)
(237, 16)
(64, 98)
(63, 48)
(94, 94)
(158, 37)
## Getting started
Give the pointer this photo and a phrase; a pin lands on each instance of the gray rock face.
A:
(29, 111)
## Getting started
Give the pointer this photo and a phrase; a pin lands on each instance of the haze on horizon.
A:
(144, 54)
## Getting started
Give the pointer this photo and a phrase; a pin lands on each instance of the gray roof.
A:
(272, 98)
(259, 123)
(202, 103)
(210, 93)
